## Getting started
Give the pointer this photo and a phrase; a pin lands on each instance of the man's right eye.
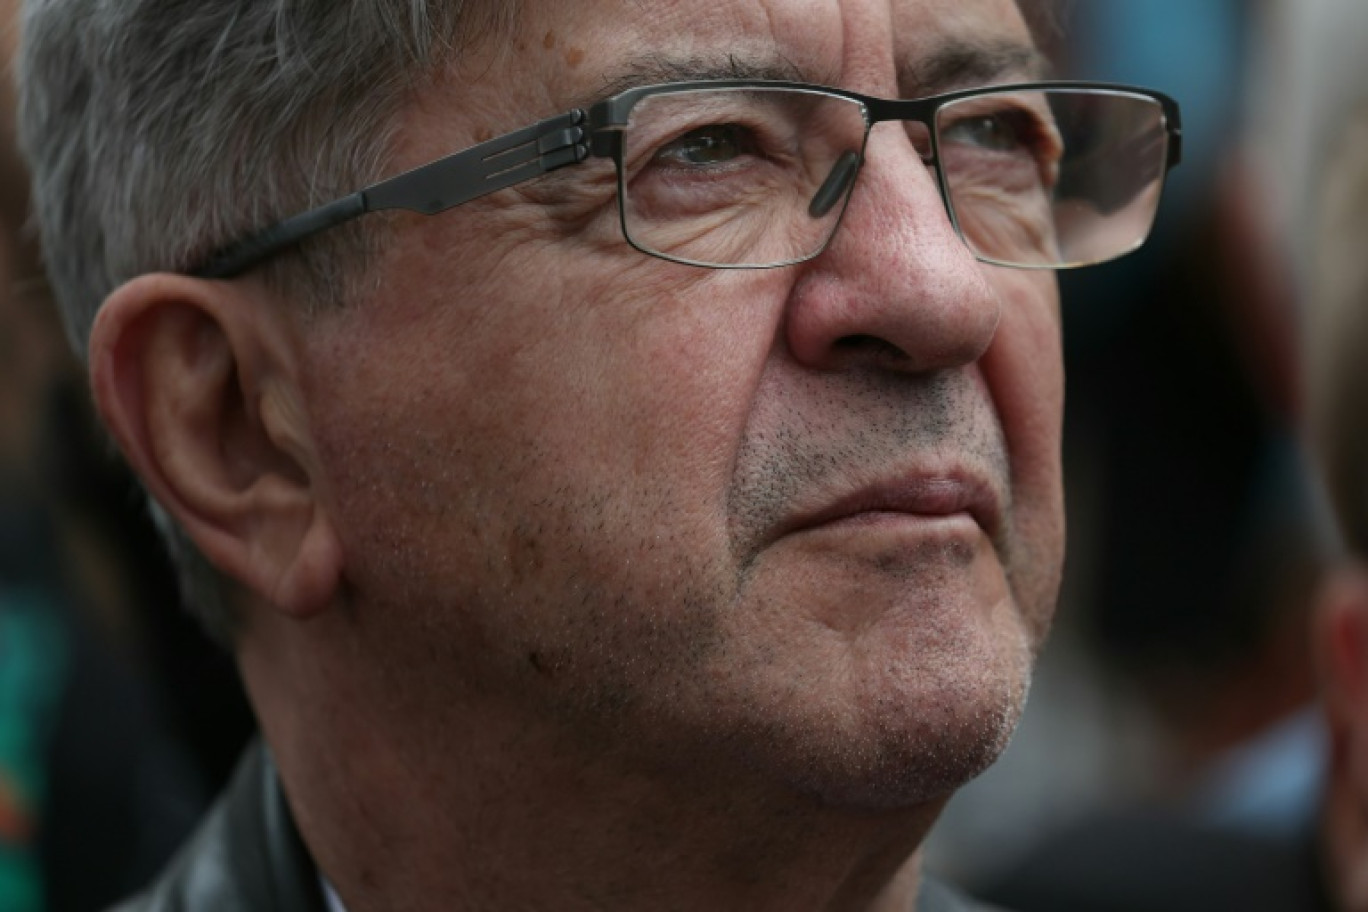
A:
(1002, 131)
(715, 144)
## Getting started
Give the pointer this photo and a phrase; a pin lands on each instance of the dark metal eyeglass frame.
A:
(596, 131)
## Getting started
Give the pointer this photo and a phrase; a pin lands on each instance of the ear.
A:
(197, 382)
(1341, 647)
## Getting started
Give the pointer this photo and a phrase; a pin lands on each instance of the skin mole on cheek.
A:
(574, 57)
(549, 41)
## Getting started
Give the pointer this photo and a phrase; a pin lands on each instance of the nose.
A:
(896, 288)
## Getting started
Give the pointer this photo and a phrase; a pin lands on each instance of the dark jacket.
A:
(247, 855)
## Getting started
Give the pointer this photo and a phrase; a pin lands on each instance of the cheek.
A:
(1024, 372)
(558, 415)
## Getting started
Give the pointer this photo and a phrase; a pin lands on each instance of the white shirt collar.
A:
(330, 897)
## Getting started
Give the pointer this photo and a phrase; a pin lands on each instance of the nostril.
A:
(871, 348)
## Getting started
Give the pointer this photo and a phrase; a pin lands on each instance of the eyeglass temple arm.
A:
(458, 178)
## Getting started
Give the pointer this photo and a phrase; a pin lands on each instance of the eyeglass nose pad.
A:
(837, 182)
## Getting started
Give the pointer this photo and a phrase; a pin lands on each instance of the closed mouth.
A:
(921, 495)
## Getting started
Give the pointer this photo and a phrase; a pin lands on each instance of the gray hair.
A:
(1337, 331)
(1309, 73)
(158, 130)
(1308, 136)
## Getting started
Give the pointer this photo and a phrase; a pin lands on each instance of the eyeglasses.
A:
(757, 173)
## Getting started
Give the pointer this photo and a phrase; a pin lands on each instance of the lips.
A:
(917, 495)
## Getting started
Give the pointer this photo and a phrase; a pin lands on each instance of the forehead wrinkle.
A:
(963, 64)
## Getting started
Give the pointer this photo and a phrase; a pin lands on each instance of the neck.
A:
(474, 808)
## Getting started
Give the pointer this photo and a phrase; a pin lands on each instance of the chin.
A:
(922, 763)
(904, 738)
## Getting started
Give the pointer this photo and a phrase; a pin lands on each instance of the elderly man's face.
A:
(803, 522)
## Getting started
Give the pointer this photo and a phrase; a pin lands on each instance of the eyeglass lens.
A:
(1053, 178)
(738, 176)
(759, 176)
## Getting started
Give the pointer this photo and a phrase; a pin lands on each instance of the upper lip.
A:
(920, 493)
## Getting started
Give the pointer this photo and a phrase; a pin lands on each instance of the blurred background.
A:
(1171, 744)
(118, 719)
(1174, 701)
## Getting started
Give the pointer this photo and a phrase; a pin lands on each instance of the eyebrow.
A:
(957, 64)
(658, 68)
(961, 64)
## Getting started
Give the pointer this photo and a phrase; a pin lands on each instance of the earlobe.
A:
(195, 380)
